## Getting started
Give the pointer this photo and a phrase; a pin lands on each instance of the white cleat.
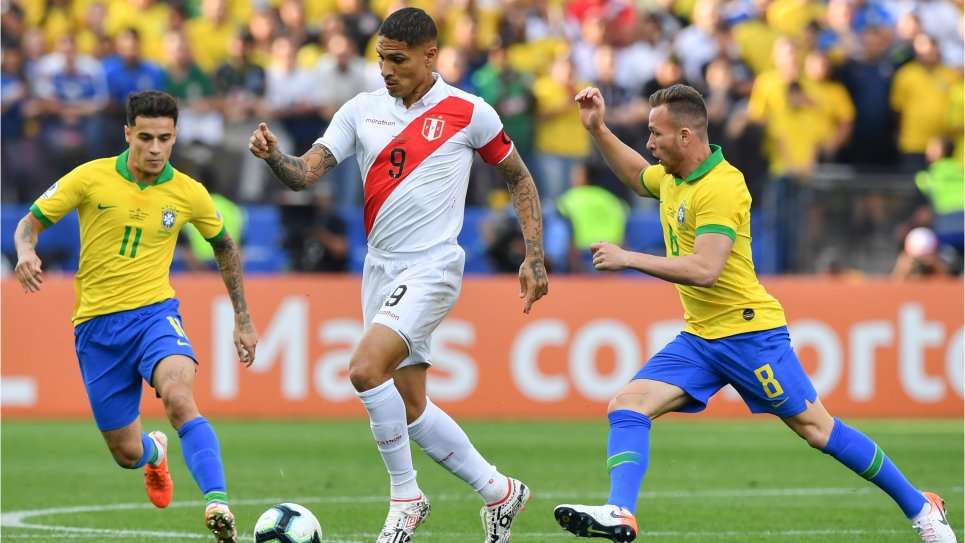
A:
(497, 517)
(403, 518)
(932, 527)
(604, 521)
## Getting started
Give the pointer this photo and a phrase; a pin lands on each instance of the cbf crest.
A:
(681, 214)
(432, 128)
(169, 216)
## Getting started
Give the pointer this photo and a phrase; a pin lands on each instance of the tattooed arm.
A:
(297, 173)
(532, 273)
(229, 262)
(28, 269)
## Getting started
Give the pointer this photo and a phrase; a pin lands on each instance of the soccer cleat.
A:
(220, 522)
(497, 517)
(606, 521)
(932, 527)
(403, 518)
(157, 479)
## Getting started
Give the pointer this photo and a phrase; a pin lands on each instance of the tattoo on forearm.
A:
(25, 235)
(229, 262)
(526, 201)
(299, 173)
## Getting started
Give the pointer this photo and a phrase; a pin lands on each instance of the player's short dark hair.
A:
(686, 106)
(151, 104)
(411, 26)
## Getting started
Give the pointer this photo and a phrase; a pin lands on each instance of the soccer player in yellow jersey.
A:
(127, 326)
(735, 331)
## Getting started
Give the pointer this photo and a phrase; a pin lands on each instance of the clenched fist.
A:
(263, 142)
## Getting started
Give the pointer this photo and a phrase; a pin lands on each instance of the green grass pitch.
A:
(709, 481)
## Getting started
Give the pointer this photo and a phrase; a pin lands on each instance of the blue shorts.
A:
(761, 365)
(116, 351)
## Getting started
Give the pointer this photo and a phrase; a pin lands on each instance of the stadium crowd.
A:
(790, 84)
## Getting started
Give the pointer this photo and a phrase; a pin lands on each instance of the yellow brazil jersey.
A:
(128, 231)
(920, 95)
(714, 199)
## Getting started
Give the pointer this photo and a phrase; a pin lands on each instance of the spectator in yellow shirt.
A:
(561, 141)
(832, 98)
(210, 34)
(920, 94)
(150, 18)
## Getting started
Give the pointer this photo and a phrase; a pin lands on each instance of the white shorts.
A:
(412, 293)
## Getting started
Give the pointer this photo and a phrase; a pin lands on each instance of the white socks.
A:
(446, 443)
(387, 418)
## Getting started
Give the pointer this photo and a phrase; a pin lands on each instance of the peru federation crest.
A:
(432, 128)
(168, 217)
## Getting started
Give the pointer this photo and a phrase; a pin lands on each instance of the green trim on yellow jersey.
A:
(716, 157)
(716, 229)
(167, 173)
(219, 235)
(645, 187)
(35, 211)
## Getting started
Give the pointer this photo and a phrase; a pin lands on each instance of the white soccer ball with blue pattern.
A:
(288, 523)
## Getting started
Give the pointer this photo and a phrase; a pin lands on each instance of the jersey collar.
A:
(431, 97)
(716, 157)
(121, 166)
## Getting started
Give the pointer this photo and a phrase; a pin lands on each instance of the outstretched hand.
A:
(29, 272)
(592, 107)
(608, 257)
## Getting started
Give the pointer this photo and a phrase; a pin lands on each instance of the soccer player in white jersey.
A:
(414, 142)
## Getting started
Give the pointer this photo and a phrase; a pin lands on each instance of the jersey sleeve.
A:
(650, 179)
(722, 208)
(486, 134)
(205, 217)
(61, 198)
(340, 136)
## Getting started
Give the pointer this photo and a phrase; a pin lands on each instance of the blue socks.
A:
(149, 453)
(628, 453)
(863, 456)
(199, 445)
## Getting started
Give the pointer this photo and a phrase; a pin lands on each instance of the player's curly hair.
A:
(151, 104)
(686, 106)
(411, 26)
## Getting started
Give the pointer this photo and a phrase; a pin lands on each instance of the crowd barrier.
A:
(873, 348)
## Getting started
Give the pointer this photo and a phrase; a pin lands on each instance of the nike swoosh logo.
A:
(102, 206)
(183, 344)
(775, 405)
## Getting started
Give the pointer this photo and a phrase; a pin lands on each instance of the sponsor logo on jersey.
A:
(748, 314)
(432, 128)
(137, 214)
(379, 122)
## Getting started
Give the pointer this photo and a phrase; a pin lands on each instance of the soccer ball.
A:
(288, 523)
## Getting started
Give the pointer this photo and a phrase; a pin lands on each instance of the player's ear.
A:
(432, 50)
(127, 133)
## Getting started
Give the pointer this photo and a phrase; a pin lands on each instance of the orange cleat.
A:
(157, 479)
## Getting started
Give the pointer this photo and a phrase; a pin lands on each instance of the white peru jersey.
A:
(416, 161)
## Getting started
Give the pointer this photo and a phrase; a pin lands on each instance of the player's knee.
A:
(641, 402)
(179, 405)
(126, 454)
(365, 375)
